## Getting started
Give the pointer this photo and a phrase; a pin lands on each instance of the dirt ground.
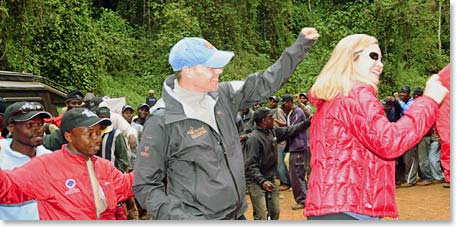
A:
(414, 203)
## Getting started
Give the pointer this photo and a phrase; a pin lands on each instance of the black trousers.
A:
(337, 216)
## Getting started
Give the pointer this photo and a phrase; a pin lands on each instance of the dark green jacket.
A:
(54, 141)
(203, 169)
(114, 148)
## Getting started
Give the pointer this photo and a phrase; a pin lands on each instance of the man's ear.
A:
(186, 72)
(10, 128)
(67, 136)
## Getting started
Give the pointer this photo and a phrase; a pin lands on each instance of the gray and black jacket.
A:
(187, 170)
(262, 151)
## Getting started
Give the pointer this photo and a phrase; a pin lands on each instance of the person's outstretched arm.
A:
(259, 86)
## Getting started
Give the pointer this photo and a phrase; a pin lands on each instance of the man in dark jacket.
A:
(297, 147)
(261, 162)
(191, 140)
(393, 111)
(151, 99)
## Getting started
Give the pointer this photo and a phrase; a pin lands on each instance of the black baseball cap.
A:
(74, 95)
(418, 91)
(287, 97)
(144, 105)
(276, 99)
(303, 94)
(261, 113)
(405, 89)
(81, 118)
(24, 111)
(126, 107)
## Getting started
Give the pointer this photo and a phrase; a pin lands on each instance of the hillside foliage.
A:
(120, 48)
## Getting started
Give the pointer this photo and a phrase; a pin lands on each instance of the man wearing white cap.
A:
(190, 139)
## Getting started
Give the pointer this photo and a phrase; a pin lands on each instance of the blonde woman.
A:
(353, 144)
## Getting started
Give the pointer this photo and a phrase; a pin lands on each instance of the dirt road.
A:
(415, 203)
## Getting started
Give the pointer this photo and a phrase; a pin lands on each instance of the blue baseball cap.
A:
(192, 51)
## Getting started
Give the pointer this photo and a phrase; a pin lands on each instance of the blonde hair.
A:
(338, 75)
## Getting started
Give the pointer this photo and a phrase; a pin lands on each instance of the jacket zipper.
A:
(195, 181)
(233, 177)
(239, 203)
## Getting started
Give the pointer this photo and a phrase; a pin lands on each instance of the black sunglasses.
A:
(27, 107)
(373, 55)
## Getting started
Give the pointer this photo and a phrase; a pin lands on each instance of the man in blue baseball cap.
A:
(191, 140)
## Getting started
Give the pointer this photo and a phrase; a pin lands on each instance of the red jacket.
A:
(443, 122)
(60, 183)
(353, 149)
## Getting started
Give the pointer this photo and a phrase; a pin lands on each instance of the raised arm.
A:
(259, 86)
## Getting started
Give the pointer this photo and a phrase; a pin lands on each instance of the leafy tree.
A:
(120, 48)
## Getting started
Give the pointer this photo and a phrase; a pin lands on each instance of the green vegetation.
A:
(120, 47)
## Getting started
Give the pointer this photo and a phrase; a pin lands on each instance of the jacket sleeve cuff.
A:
(261, 181)
(304, 41)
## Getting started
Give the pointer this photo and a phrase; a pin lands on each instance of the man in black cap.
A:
(418, 91)
(405, 98)
(297, 147)
(151, 99)
(392, 108)
(127, 113)
(303, 103)
(423, 148)
(74, 99)
(261, 162)
(71, 183)
(410, 159)
(280, 121)
(143, 114)
(25, 124)
(135, 211)
(393, 112)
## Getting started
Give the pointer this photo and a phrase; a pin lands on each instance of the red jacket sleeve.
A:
(389, 139)
(22, 184)
(443, 123)
(123, 183)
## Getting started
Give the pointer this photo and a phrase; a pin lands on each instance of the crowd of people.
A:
(196, 152)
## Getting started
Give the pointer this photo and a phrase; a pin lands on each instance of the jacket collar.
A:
(174, 110)
(76, 156)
